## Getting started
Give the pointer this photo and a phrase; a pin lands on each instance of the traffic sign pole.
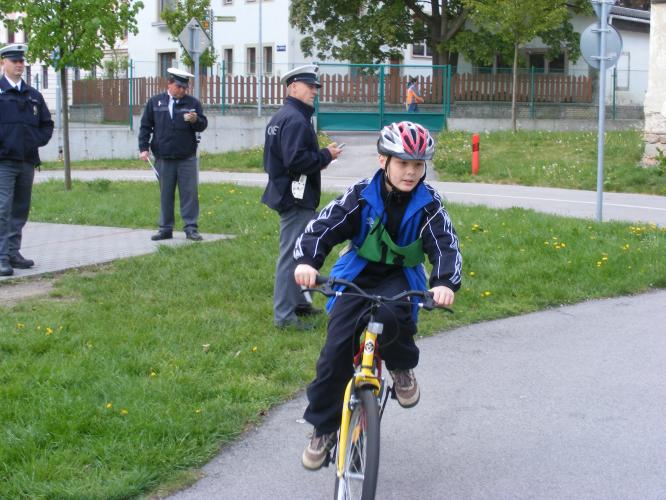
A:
(603, 29)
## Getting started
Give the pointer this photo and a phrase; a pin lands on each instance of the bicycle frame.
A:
(365, 375)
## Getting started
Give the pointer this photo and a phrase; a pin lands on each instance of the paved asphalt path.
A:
(359, 160)
(561, 404)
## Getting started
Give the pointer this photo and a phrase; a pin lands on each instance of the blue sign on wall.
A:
(282, 48)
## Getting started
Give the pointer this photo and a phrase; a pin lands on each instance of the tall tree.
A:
(72, 33)
(516, 22)
(372, 31)
(177, 14)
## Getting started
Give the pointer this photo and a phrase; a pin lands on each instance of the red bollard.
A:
(475, 154)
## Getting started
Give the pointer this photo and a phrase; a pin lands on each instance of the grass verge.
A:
(245, 160)
(152, 363)
(552, 159)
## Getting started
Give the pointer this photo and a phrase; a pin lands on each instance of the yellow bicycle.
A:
(366, 395)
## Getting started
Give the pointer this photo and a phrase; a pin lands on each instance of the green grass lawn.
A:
(132, 374)
(245, 160)
(553, 159)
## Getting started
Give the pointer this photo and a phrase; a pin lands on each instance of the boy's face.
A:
(403, 174)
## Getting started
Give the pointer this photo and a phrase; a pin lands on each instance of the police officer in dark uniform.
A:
(25, 126)
(173, 119)
(293, 161)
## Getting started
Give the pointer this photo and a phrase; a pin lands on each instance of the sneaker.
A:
(316, 451)
(405, 387)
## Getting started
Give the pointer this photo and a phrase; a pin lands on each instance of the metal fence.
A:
(446, 90)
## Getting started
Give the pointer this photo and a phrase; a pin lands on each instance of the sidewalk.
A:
(626, 207)
(56, 247)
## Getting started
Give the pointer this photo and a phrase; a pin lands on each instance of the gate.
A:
(369, 96)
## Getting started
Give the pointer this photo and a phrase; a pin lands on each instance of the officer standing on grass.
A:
(294, 161)
(25, 126)
(173, 119)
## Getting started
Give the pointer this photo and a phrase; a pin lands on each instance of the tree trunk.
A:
(515, 87)
(65, 128)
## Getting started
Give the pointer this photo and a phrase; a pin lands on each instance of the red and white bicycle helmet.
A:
(407, 141)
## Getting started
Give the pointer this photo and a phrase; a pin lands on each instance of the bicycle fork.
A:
(365, 376)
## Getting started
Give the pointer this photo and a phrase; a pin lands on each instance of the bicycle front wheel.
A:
(359, 478)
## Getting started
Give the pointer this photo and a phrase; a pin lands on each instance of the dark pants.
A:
(15, 195)
(335, 365)
(286, 293)
(185, 175)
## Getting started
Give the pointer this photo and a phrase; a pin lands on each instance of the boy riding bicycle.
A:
(391, 220)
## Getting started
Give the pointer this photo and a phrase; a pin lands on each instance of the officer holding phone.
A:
(170, 126)
(294, 161)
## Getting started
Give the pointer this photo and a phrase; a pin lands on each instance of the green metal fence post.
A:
(447, 108)
(614, 90)
(223, 83)
(381, 96)
(131, 77)
(532, 111)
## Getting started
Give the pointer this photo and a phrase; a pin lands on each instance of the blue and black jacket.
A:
(291, 149)
(25, 123)
(172, 138)
(351, 216)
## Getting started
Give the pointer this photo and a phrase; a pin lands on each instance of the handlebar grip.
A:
(321, 279)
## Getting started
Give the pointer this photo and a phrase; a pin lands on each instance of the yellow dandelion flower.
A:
(486, 294)
(20, 325)
(472, 273)
(123, 412)
(197, 411)
(108, 406)
(49, 330)
(153, 374)
(254, 349)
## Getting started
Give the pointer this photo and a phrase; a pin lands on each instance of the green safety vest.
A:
(379, 247)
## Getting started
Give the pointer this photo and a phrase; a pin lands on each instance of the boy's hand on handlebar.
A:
(306, 275)
(442, 295)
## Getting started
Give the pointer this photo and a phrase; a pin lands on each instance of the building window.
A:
(28, 75)
(268, 60)
(251, 60)
(421, 49)
(542, 64)
(45, 76)
(228, 2)
(10, 33)
(229, 61)
(77, 73)
(166, 60)
(163, 5)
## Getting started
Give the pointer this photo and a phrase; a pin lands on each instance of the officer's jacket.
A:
(172, 138)
(351, 216)
(291, 150)
(25, 123)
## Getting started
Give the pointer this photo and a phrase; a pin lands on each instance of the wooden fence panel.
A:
(336, 88)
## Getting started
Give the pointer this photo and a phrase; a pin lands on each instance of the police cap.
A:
(306, 74)
(180, 77)
(14, 51)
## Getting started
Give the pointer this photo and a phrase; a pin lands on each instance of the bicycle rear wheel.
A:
(359, 479)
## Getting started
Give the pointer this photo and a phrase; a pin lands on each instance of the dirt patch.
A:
(13, 293)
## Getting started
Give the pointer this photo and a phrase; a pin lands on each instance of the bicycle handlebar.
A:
(328, 282)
